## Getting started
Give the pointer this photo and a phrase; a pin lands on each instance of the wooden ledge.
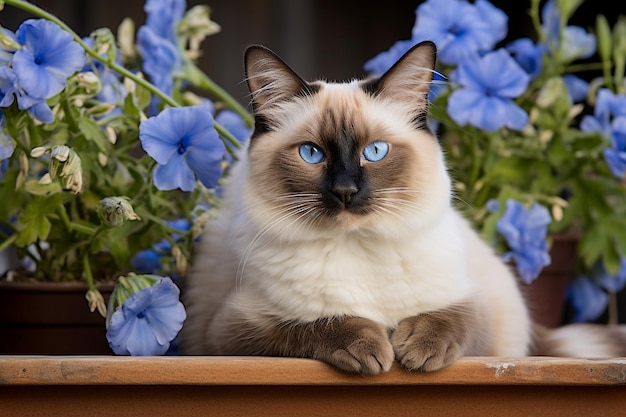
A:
(252, 386)
(216, 370)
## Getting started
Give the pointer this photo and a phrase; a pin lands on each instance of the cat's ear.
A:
(410, 77)
(270, 80)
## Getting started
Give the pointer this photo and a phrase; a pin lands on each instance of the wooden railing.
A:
(252, 386)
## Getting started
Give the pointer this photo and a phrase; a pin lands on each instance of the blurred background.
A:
(327, 39)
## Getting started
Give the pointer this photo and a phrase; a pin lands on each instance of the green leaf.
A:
(603, 35)
(592, 246)
(36, 229)
(94, 133)
(611, 259)
(508, 170)
(36, 188)
(130, 108)
(33, 222)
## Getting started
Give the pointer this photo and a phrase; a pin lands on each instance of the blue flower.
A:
(574, 43)
(48, 57)
(601, 119)
(577, 43)
(587, 298)
(7, 145)
(157, 42)
(609, 119)
(147, 321)
(613, 282)
(4, 165)
(162, 16)
(8, 81)
(576, 87)
(9, 90)
(232, 122)
(161, 58)
(528, 55)
(615, 155)
(147, 261)
(459, 29)
(112, 92)
(525, 232)
(185, 144)
(551, 24)
(488, 85)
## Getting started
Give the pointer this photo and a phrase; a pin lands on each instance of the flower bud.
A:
(66, 160)
(23, 173)
(114, 211)
(104, 43)
(89, 82)
(111, 134)
(197, 25)
(552, 90)
(60, 153)
(125, 288)
(103, 160)
(557, 213)
(45, 179)
(39, 151)
(96, 301)
(8, 41)
(74, 182)
(180, 260)
(126, 38)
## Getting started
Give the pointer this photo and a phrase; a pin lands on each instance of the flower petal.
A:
(176, 174)
(48, 57)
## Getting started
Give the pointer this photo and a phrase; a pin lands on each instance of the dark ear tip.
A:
(257, 49)
(427, 45)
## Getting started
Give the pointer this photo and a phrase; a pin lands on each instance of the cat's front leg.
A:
(352, 344)
(430, 341)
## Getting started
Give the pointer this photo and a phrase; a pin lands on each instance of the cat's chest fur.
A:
(349, 274)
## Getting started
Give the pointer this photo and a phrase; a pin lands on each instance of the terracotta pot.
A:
(545, 297)
(50, 319)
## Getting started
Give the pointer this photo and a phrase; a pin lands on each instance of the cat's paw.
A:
(359, 345)
(430, 341)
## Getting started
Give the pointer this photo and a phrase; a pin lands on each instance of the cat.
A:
(337, 238)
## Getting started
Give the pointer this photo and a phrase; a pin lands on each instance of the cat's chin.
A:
(350, 221)
(367, 224)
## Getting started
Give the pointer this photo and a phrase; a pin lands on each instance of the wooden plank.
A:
(71, 386)
(311, 400)
(227, 371)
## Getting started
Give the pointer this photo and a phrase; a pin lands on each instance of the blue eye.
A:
(376, 151)
(310, 153)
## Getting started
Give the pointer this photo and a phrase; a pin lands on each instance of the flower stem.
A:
(203, 81)
(88, 274)
(74, 227)
(7, 242)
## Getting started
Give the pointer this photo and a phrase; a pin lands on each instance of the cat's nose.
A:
(345, 192)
